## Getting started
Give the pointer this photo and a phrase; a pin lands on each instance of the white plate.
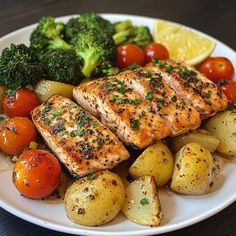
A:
(180, 211)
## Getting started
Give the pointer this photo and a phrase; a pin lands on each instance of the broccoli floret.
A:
(127, 33)
(48, 35)
(62, 66)
(88, 20)
(96, 49)
(19, 67)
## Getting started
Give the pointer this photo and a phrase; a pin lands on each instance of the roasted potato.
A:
(200, 136)
(2, 91)
(46, 88)
(193, 171)
(96, 199)
(156, 160)
(142, 203)
(223, 127)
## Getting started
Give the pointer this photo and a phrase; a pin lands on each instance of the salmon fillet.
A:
(122, 110)
(81, 142)
(179, 116)
(192, 86)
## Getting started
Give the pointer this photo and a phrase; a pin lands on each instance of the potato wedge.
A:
(96, 199)
(46, 88)
(200, 136)
(142, 203)
(156, 160)
(223, 127)
(193, 171)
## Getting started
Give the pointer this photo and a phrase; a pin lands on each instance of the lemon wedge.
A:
(183, 44)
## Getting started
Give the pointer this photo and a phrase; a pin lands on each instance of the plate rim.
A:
(91, 231)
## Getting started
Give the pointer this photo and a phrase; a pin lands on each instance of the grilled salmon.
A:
(122, 110)
(179, 116)
(191, 85)
(81, 142)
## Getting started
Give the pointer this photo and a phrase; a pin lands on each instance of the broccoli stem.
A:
(90, 63)
(58, 43)
(121, 36)
(123, 25)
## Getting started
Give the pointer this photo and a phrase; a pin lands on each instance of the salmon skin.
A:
(192, 86)
(81, 142)
(122, 110)
(179, 116)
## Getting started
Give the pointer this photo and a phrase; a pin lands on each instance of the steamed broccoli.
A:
(62, 65)
(127, 33)
(88, 20)
(96, 50)
(19, 67)
(48, 35)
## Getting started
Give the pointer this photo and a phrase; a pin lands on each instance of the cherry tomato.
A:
(129, 54)
(16, 134)
(36, 174)
(20, 104)
(155, 50)
(217, 68)
(229, 89)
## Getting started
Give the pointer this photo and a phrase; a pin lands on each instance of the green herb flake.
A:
(169, 69)
(91, 176)
(134, 102)
(174, 98)
(161, 64)
(144, 201)
(56, 113)
(149, 95)
(133, 66)
(135, 125)
(47, 121)
(117, 100)
(121, 90)
(73, 134)
(95, 124)
(2, 118)
(148, 74)
(80, 131)
(155, 60)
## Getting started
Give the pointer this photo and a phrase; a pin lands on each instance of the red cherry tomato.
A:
(36, 174)
(217, 68)
(20, 104)
(16, 134)
(229, 89)
(155, 50)
(129, 54)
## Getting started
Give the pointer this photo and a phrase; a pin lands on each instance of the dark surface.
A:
(216, 18)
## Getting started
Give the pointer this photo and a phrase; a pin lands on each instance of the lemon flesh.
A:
(183, 44)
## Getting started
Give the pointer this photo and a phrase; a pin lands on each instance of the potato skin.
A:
(94, 202)
(223, 127)
(156, 160)
(193, 171)
(46, 88)
(200, 136)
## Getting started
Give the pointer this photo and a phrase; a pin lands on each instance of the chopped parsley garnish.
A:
(83, 119)
(2, 118)
(80, 131)
(174, 98)
(186, 73)
(117, 100)
(58, 129)
(134, 102)
(95, 124)
(161, 64)
(148, 74)
(121, 90)
(91, 176)
(133, 66)
(72, 134)
(144, 201)
(160, 103)
(155, 60)
(47, 121)
(45, 110)
(149, 95)
(56, 113)
(169, 69)
(135, 125)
